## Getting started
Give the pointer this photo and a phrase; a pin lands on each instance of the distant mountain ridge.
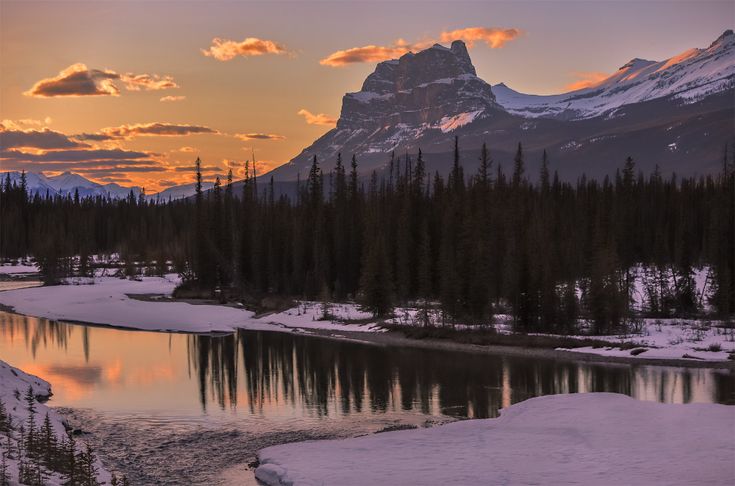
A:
(69, 183)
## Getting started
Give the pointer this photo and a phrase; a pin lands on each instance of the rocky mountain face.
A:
(433, 88)
(677, 114)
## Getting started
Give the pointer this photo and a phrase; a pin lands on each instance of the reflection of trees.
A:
(214, 358)
(34, 331)
(724, 387)
(324, 377)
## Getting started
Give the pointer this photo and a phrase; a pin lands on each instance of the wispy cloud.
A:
(317, 119)
(226, 50)
(259, 136)
(369, 53)
(38, 139)
(491, 36)
(83, 161)
(187, 150)
(172, 98)
(586, 80)
(192, 168)
(24, 123)
(155, 129)
(78, 80)
(147, 82)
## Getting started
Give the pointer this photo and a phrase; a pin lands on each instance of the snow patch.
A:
(560, 439)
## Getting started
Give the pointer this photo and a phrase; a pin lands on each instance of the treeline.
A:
(546, 251)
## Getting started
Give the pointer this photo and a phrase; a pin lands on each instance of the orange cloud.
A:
(46, 139)
(226, 50)
(369, 53)
(172, 98)
(259, 136)
(78, 80)
(318, 119)
(187, 149)
(493, 37)
(26, 122)
(155, 129)
(586, 80)
(147, 82)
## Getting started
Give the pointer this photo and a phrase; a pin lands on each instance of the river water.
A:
(170, 408)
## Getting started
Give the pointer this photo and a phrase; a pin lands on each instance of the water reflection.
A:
(284, 375)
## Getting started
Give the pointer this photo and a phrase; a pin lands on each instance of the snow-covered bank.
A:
(14, 383)
(111, 301)
(18, 268)
(145, 304)
(598, 438)
(671, 339)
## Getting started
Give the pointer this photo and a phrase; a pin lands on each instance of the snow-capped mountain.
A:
(69, 183)
(688, 77)
(676, 114)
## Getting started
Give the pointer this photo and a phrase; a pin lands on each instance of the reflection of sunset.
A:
(65, 387)
(152, 374)
(113, 371)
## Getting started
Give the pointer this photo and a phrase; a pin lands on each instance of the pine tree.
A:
(518, 167)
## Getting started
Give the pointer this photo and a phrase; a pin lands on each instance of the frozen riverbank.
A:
(146, 304)
(14, 384)
(560, 439)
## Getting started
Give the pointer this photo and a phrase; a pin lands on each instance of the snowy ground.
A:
(598, 438)
(672, 339)
(18, 268)
(107, 300)
(13, 385)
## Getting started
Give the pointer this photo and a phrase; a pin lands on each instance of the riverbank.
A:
(14, 386)
(147, 304)
(598, 438)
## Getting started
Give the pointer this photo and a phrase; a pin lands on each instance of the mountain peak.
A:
(636, 63)
(416, 69)
(460, 49)
(727, 37)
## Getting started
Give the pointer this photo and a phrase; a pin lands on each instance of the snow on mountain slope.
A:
(179, 192)
(69, 181)
(687, 77)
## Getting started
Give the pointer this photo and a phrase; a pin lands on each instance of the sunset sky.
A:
(132, 92)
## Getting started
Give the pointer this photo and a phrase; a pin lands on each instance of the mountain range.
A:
(69, 183)
(676, 114)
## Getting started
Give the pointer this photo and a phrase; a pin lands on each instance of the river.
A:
(173, 408)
